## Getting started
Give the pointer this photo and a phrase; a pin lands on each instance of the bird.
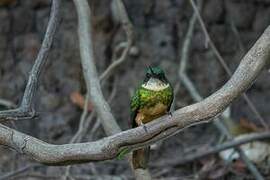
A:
(152, 99)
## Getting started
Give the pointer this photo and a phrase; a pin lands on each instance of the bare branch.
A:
(187, 40)
(25, 110)
(224, 65)
(77, 137)
(128, 27)
(215, 149)
(18, 171)
(161, 128)
(7, 103)
(79, 176)
(89, 69)
(221, 127)
(197, 97)
(84, 125)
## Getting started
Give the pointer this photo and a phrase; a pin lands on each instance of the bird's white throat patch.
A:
(155, 85)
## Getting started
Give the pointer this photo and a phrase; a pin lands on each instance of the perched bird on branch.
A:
(151, 100)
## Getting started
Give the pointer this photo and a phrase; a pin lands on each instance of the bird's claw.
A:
(144, 127)
(169, 113)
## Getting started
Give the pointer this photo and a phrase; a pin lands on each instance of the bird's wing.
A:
(134, 107)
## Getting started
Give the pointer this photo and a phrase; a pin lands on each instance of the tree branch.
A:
(18, 171)
(128, 27)
(224, 64)
(89, 69)
(161, 128)
(197, 97)
(26, 110)
(7, 103)
(101, 107)
(216, 149)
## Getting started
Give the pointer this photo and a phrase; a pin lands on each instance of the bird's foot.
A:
(144, 127)
(169, 113)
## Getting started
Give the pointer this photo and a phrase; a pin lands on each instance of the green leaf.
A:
(122, 153)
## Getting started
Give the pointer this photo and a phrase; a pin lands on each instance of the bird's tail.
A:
(140, 158)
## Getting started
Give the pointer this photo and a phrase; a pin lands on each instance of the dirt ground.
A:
(160, 28)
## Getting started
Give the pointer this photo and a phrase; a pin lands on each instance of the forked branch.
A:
(25, 110)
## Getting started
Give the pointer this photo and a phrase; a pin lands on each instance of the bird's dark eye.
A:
(148, 76)
(162, 78)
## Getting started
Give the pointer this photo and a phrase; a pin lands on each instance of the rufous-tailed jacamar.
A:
(151, 100)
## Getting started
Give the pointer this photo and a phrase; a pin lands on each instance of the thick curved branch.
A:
(224, 64)
(25, 110)
(195, 94)
(164, 127)
(89, 69)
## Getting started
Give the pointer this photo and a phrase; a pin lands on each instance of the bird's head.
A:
(155, 79)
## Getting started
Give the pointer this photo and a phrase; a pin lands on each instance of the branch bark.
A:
(26, 110)
(128, 27)
(89, 69)
(101, 106)
(194, 92)
(162, 128)
(224, 64)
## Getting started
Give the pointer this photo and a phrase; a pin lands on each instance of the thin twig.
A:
(238, 38)
(84, 125)
(7, 103)
(225, 66)
(18, 171)
(249, 102)
(197, 97)
(187, 40)
(77, 177)
(97, 123)
(221, 127)
(26, 110)
(89, 69)
(128, 27)
(216, 149)
(78, 134)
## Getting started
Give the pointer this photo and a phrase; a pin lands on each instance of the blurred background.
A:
(160, 29)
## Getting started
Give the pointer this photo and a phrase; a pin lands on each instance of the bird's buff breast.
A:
(148, 114)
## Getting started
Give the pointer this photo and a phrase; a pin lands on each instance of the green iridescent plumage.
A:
(146, 97)
(149, 98)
